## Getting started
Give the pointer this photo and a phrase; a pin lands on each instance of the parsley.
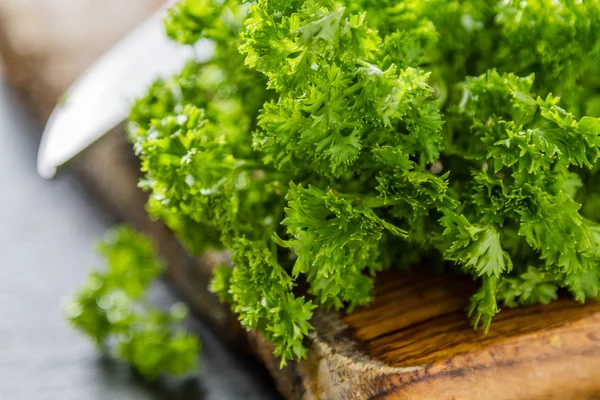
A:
(112, 311)
(328, 140)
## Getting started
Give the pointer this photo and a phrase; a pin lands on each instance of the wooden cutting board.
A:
(414, 342)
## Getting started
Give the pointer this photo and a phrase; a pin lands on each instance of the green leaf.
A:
(476, 248)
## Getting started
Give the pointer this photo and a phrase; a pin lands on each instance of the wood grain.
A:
(414, 342)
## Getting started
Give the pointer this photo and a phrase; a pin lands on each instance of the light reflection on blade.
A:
(100, 99)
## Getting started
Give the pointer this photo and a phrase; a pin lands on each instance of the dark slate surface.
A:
(47, 233)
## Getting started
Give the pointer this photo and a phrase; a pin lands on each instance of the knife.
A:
(101, 97)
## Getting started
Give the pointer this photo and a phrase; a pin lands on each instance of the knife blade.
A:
(101, 97)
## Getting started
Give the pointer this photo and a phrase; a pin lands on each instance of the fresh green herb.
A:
(328, 140)
(112, 311)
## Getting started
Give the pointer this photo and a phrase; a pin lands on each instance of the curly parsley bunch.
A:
(327, 140)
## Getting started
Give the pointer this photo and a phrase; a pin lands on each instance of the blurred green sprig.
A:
(111, 308)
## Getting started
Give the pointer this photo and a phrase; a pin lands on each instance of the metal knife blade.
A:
(100, 99)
